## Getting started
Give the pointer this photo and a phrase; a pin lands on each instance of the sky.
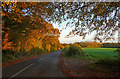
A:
(76, 38)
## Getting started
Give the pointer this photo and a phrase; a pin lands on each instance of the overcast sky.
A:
(77, 38)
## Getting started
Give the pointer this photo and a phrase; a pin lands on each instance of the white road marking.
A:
(21, 71)
(41, 59)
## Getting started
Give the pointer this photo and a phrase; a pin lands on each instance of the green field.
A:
(100, 53)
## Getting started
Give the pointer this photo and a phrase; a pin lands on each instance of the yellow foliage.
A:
(67, 46)
(48, 46)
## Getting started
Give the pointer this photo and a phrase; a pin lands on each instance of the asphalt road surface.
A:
(42, 66)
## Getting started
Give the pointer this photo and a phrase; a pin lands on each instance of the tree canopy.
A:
(87, 17)
(19, 19)
(23, 28)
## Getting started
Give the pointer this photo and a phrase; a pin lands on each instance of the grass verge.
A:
(105, 59)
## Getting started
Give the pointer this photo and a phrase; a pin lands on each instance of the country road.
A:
(42, 66)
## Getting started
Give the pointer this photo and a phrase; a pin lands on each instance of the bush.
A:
(73, 50)
(118, 51)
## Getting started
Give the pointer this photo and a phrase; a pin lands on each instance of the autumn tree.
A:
(24, 27)
(43, 37)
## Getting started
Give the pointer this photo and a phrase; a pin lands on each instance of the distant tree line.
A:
(110, 45)
(91, 44)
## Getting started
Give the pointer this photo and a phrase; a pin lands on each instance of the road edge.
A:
(9, 63)
(64, 68)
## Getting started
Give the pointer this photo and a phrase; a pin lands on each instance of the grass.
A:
(99, 53)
